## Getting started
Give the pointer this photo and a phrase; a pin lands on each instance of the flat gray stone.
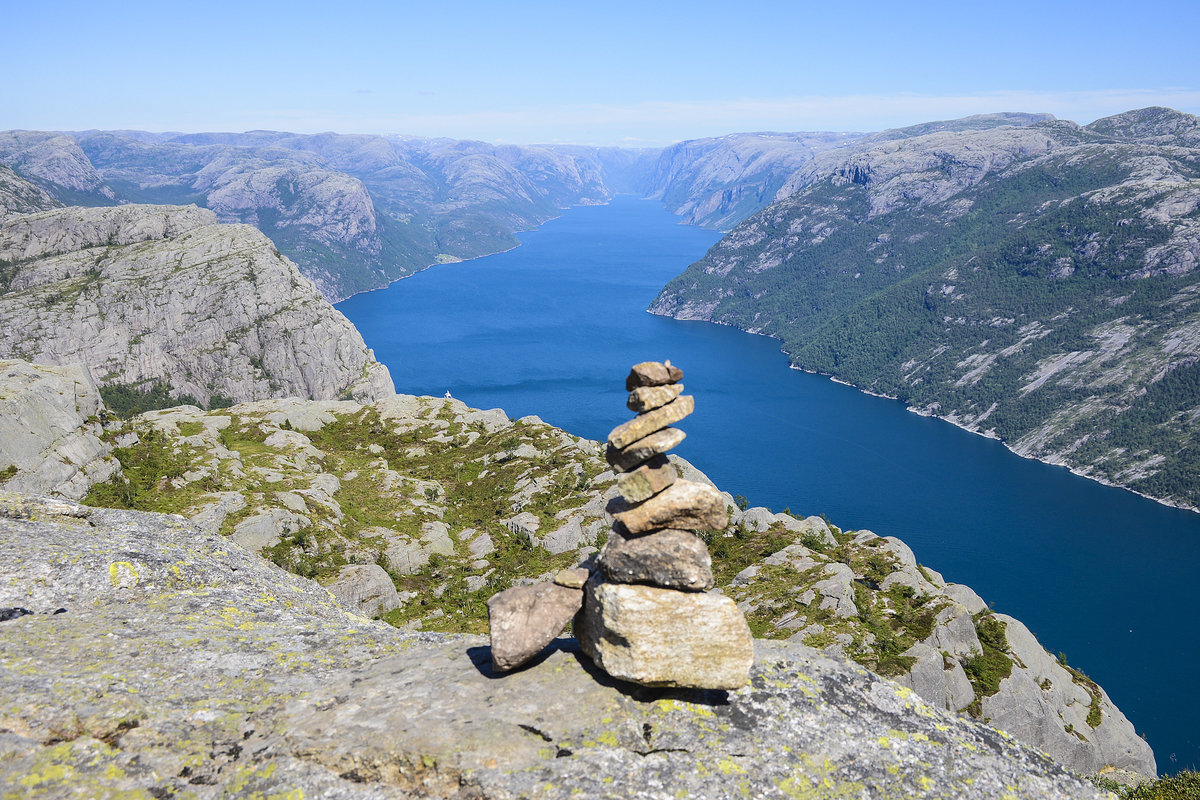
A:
(684, 504)
(647, 480)
(626, 458)
(647, 423)
(366, 589)
(646, 398)
(652, 373)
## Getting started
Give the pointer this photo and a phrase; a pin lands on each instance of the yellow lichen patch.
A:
(728, 766)
(122, 575)
(818, 781)
(606, 738)
(667, 705)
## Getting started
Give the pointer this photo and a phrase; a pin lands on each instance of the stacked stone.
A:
(647, 615)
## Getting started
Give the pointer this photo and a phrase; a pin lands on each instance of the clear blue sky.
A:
(605, 72)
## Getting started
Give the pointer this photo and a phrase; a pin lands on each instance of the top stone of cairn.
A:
(652, 373)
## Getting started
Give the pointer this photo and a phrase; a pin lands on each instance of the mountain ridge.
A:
(1029, 283)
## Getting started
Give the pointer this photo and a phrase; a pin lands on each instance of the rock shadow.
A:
(481, 658)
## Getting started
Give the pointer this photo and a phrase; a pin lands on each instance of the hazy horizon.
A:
(629, 74)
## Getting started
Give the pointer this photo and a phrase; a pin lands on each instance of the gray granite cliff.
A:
(164, 293)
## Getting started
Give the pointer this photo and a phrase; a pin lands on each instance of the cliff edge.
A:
(161, 659)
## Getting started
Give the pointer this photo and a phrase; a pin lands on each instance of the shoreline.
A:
(1077, 471)
(563, 209)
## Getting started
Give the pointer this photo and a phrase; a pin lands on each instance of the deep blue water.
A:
(551, 328)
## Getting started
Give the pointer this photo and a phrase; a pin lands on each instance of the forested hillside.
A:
(1034, 283)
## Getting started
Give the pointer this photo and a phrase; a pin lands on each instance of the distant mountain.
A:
(718, 182)
(354, 212)
(1036, 282)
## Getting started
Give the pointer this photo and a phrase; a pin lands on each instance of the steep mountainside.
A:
(1034, 283)
(717, 183)
(418, 509)
(354, 212)
(165, 294)
(19, 196)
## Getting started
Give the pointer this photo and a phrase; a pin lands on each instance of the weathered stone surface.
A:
(671, 559)
(1037, 698)
(190, 633)
(648, 398)
(652, 373)
(564, 538)
(19, 196)
(645, 424)
(1040, 703)
(684, 504)
(365, 588)
(657, 443)
(524, 619)
(266, 528)
(661, 637)
(573, 577)
(647, 480)
(49, 432)
(164, 293)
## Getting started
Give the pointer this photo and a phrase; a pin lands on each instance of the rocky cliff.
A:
(145, 294)
(57, 164)
(418, 510)
(162, 660)
(50, 434)
(1036, 283)
(718, 182)
(19, 196)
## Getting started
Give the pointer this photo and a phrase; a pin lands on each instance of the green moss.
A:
(987, 669)
(8, 472)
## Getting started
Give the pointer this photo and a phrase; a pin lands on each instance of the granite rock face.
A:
(163, 676)
(803, 593)
(50, 436)
(19, 196)
(164, 293)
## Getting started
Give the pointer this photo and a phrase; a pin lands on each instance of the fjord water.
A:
(551, 329)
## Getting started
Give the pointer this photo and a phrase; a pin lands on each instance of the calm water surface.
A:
(552, 327)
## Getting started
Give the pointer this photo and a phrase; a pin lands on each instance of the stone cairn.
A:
(644, 613)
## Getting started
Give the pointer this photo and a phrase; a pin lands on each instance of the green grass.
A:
(1183, 786)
